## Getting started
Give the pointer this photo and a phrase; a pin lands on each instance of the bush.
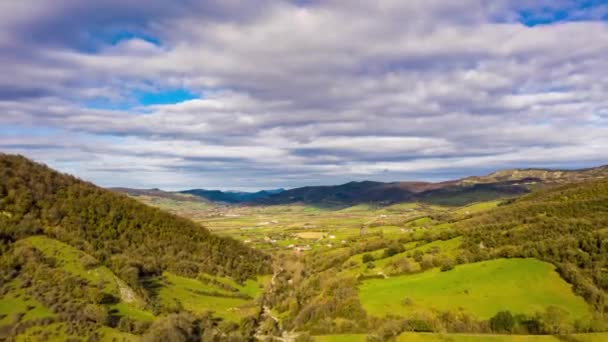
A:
(447, 265)
(304, 337)
(367, 258)
(394, 249)
(502, 322)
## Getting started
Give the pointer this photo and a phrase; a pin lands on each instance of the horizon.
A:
(290, 93)
(252, 190)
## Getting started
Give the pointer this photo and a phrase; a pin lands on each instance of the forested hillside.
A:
(73, 253)
(567, 226)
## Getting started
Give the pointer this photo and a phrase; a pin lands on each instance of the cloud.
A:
(284, 93)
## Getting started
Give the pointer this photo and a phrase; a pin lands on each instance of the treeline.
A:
(134, 240)
(551, 321)
(566, 226)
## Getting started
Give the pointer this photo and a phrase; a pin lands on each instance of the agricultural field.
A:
(404, 257)
(522, 286)
(431, 337)
(300, 227)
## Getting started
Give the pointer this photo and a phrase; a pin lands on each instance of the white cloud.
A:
(295, 93)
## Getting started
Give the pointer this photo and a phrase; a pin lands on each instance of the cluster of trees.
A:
(134, 240)
(565, 226)
(552, 321)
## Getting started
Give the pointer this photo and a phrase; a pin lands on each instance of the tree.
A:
(555, 321)
(503, 321)
(174, 327)
(393, 249)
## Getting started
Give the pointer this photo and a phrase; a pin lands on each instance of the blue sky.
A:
(243, 95)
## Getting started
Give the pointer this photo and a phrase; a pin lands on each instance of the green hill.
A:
(86, 262)
(566, 226)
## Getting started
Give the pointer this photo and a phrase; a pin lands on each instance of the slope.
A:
(567, 226)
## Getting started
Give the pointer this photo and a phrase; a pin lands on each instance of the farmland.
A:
(519, 285)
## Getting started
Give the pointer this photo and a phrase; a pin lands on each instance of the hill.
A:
(157, 193)
(566, 225)
(500, 184)
(546, 176)
(447, 193)
(232, 197)
(79, 258)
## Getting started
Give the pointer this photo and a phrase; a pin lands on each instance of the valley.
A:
(513, 267)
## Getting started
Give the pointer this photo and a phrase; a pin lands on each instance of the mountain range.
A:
(499, 184)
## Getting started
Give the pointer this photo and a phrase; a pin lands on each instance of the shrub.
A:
(447, 265)
(367, 258)
(503, 321)
(394, 249)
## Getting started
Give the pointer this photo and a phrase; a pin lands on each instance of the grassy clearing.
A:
(484, 288)
(197, 297)
(75, 261)
(112, 335)
(124, 309)
(85, 266)
(341, 338)
(428, 337)
(54, 332)
(310, 235)
(593, 337)
(477, 207)
(17, 302)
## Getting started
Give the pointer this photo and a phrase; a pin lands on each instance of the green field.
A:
(198, 297)
(431, 337)
(341, 338)
(484, 288)
(423, 337)
(17, 302)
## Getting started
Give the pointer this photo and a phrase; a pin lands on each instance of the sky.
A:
(248, 95)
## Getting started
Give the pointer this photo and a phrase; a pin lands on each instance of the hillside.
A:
(567, 226)
(232, 197)
(111, 249)
(448, 193)
(175, 196)
(546, 176)
(500, 184)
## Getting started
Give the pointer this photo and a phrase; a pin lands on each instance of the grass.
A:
(310, 235)
(73, 260)
(341, 338)
(194, 296)
(484, 288)
(477, 207)
(124, 309)
(18, 302)
(429, 337)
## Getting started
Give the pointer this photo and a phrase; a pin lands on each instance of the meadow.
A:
(522, 286)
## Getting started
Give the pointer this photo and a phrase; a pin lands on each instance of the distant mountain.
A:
(232, 197)
(500, 184)
(546, 176)
(445, 193)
